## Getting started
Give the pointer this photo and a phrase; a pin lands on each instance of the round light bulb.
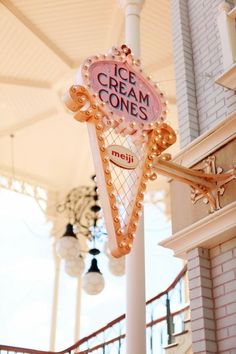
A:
(93, 281)
(67, 247)
(74, 267)
(117, 266)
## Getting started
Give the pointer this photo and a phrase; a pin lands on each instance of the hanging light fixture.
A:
(68, 245)
(93, 281)
(83, 212)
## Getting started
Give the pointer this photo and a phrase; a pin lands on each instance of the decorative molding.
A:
(232, 13)
(207, 232)
(228, 78)
(209, 167)
(27, 178)
(20, 186)
(207, 183)
(208, 142)
(45, 197)
(216, 227)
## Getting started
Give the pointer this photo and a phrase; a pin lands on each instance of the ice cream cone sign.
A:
(125, 113)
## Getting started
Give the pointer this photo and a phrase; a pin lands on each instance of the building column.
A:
(184, 72)
(78, 309)
(135, 296)
(53, 330)
(58, 227)
(201, 302)
(135, 261)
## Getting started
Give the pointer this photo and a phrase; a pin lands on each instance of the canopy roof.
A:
(42, 45)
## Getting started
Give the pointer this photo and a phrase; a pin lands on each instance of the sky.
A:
(27, 275)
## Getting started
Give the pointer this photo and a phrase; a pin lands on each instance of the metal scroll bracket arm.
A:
(207, 184)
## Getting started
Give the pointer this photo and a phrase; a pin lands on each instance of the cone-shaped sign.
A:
(124, 111)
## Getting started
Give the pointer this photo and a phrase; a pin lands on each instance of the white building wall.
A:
(202, 104)
(198, 62)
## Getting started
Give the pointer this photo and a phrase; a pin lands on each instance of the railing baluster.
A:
(180, 291)
(151, 334)
(161, 337)
(169, 321)
(119, 341)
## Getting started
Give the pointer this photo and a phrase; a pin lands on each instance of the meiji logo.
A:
(126, 157)
(122, 157)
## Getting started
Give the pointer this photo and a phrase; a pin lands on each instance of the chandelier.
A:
(83, 212)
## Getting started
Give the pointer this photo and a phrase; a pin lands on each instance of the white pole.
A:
(135, 296)
(135, 261)
(55, 300)
(132, 9)
(78, 310)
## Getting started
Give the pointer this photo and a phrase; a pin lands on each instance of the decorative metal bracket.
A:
(207, 184)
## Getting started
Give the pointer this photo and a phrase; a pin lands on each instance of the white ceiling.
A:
(42, 43)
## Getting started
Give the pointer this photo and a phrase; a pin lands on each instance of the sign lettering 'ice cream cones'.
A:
(124, 112)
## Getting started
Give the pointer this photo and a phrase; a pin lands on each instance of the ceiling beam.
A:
(157, 66)
(28, 122)
(7, 80)
(38, 33)
(115, 26)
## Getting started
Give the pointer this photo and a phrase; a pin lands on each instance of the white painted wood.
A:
(226, 26)
(228, 78)
(208, 142)
(207, 232)
(232, 13)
